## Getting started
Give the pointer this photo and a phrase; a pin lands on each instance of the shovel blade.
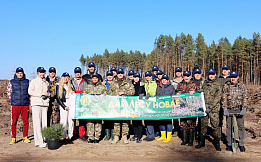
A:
(235, 147)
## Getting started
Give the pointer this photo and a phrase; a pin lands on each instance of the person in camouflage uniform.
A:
(234, 100)
(94, 127)
(53, 113)
(212, 94)
(187, 124)
(120, 86)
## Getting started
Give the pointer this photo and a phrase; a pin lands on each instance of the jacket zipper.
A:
(20, 92)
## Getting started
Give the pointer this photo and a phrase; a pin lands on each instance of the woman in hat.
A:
(63, 90)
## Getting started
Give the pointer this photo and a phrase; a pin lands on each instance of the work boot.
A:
(191, 138)
(124, 139)
(185, 137)
(13, 141)
(115, 140)
(108, 134)
(163, 136)
(175, 134)
(242, 148)
(201, 142)
(91, 141)
(217, 144)
(168, 137)
(70, 141)
(112, 135)
(229, 148)
(83, 138)
(26, 140)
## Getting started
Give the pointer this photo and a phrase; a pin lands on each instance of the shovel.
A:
(234, 144)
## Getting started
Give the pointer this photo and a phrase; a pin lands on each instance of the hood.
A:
(166, 85)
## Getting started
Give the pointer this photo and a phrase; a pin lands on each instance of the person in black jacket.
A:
(165, 89)
(137, 124)
(88, 76)
(62, 94)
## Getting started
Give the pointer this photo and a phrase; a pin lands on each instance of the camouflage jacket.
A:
(212, 94)
(126, 87)
(52, 86)
(184, 87)
(234, 96)
(201, 82)
(97, 88)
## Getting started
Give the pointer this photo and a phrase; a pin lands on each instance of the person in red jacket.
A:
(78, 85)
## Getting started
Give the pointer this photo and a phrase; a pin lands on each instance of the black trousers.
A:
(137, 128)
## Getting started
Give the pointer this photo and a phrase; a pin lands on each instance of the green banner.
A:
(114, 107)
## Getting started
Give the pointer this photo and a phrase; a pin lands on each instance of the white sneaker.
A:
(42, 145)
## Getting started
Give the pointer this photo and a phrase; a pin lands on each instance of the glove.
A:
(140, 96)
(226, 113)
(147, 96)
(207, 111)
(200, 90)
(242, 112)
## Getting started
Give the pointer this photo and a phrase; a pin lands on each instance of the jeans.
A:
(164, 123)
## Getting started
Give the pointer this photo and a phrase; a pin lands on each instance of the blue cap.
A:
(155, 68)
(77, 70)
(52, 69)
(136, 75)
(159, 72)
(187, 73)
(91, 64)
(197, 70)
(65, 74)
(148, 73)
(178, 69)
(234, 74)
(95, 75)
(211, 71)
(225, 67)
(131, 72)
(109, 73)
(165, 76)
(113, 69)
(40, 69)
(19, 69)
(120, 70)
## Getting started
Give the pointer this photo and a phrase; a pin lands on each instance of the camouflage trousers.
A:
(214, 121)
(117, 127)
(53, 113)
(188, 124)
(94, 128)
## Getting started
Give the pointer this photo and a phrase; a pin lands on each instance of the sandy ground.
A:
(145, 151)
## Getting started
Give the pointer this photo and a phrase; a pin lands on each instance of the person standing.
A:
(39, 101)
(63, 91)
(212, 94)
(234, 100)
(114, 71)
(159, 75)
(94, 127)
(137, 124)
(108, 123)
(17, 91)
(154, 72)
(130, 75)
(178, 78)
(53, 113)
(120, 86)
(91, 69)
(165, 89)
(78, 84)
(187, 124)
(150, 90)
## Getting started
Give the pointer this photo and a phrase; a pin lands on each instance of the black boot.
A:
(185, 137)
(108, 134)
(191, 138)
(217, 144)
(201, 142)
(242, 148)
(229, 148)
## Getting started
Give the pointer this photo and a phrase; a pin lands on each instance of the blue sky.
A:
(56, 33)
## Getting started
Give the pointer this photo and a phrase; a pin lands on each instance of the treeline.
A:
(189, 53)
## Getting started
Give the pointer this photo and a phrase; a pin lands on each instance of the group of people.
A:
(49, 99)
